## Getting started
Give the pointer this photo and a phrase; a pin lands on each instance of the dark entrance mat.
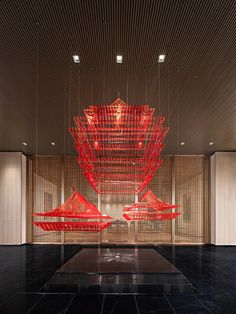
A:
(119, 270)
(115, 260)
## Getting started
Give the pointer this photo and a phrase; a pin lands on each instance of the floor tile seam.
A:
(200, 301)
(103, 302)
(35, 304)
(8, 299)
(229, 297)
(114, 306)
(136, 303)
(70, 302)
(168, 301)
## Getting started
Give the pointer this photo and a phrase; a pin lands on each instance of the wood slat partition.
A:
(190, 191)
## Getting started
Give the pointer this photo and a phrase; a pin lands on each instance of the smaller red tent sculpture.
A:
(149, 208)
(76, 207)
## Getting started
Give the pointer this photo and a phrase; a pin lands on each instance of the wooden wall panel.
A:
(161, 185)
(190, 194)
(57, 175)
(47, 180)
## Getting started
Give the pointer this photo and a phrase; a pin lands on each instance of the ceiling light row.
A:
(210, 143)
(181, 143)
(119, 58)
(52, 143)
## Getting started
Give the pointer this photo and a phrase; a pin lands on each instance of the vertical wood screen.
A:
(53, 177)
(190, 179)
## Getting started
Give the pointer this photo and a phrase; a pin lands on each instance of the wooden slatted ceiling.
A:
(194, 88)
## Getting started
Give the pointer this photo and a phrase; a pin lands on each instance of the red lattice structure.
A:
(76, 207)
(149, 208)
(119, 146)
(73, 226)
(144, 215)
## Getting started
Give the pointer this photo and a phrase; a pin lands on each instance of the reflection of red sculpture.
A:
(75, 207)
(119, 146)
(149, 208)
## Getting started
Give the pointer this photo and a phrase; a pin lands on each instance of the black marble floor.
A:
(25, 269)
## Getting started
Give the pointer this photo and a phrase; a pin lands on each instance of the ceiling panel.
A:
(41, 89)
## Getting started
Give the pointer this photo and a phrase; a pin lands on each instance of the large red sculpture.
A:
(119, 146)
(77, 207)
(118, 150)
(149, 208)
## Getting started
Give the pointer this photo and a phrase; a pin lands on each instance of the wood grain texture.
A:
(188, 191)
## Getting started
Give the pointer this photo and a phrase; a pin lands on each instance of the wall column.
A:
(13, 215)
(223, 198)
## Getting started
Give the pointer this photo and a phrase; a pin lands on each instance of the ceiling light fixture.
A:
(76, 59)
(24, 143)
(119, 59)
(161, 58)
(182, 143)
(53, 144)
(211, 143)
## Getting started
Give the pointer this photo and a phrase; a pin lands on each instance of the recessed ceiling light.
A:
(182, 143)
(161, 58)
(211, 143)
(76, 59)
(53, 144)
(24, 143)
(119, 59)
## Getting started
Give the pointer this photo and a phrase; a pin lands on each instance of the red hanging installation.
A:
(76, 207)
(118, 146)
(149, 208)
(73, 226)
(144, 215)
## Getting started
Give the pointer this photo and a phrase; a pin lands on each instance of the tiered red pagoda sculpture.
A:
(76, 207)
(118, 149)
(149, 208)
(119, 146)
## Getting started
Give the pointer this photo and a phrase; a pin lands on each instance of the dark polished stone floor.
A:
(25, 269)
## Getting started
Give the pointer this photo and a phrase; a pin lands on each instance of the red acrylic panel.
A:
(149, 200)
(149, 216)
(119, 146)
(76, 206)
(149, 208)
(73, 226)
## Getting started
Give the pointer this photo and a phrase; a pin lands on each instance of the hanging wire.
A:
(64, 121)
(159, 87)
(177, 116)
(69, 105)
(79, 89)
(168, 94)
(127, 87)
(146, 90)
(91, 89)
(36, 112)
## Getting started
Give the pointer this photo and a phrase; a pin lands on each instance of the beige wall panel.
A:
(12, 198)
(223, 198)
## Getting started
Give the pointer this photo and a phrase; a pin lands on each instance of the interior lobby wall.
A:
(223, 198)
(181, 180)
(13, 220)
